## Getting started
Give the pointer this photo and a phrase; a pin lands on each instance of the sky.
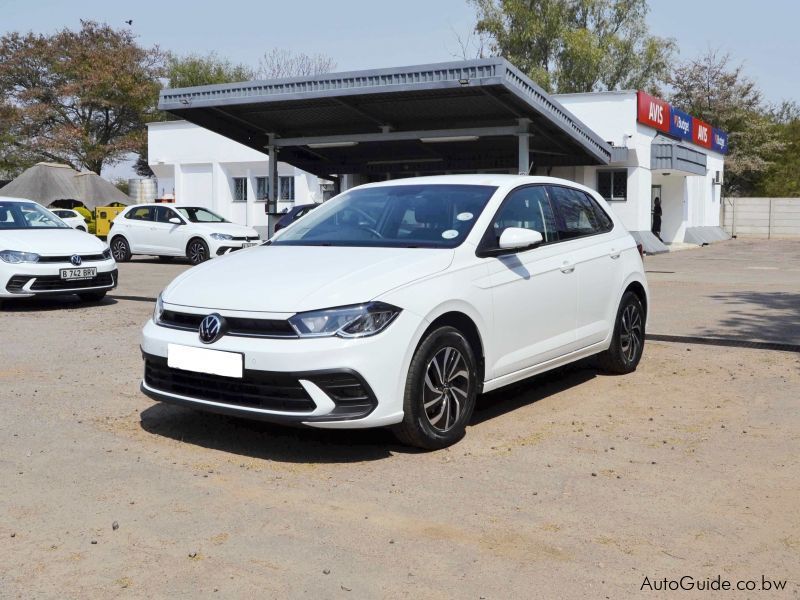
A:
(370, 34)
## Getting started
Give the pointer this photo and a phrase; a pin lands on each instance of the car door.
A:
(588, 233)
(136, 228)
(167, 238)
(534, 292)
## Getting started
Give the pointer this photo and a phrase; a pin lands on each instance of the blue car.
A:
(293, 214)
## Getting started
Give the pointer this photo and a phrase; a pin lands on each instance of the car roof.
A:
(500, 181)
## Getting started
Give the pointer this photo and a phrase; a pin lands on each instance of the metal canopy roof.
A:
(459, 116)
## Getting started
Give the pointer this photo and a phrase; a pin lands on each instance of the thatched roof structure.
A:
(47, 183)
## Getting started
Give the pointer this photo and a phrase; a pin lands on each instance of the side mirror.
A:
(517, 238)
(176, 221)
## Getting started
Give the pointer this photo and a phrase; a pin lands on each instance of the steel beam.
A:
(393, 136)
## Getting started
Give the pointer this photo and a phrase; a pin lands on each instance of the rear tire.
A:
(92, 296)
(197, 251)
(120, 249)
(627, 342)
(440, 393)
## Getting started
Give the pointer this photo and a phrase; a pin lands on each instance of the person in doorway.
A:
(657, 218)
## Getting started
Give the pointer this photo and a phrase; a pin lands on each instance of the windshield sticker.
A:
(449, 234)
(465, 216)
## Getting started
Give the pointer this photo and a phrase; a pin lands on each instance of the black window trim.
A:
(486, 247)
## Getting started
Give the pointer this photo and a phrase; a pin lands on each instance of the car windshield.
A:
(405, 216)
(199, 215)
(28, 215)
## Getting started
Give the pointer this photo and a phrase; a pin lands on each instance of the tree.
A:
(194, 69)
(782, 178)
(76, 97)
(577, 45)
(279, 63)
(712, 89)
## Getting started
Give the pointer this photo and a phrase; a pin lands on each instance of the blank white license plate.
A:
(205, 360)
(248, 244)
(79, 273)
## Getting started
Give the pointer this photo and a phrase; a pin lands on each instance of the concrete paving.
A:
(745, 290)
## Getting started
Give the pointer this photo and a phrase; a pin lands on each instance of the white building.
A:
(656, 152)
(201, 167)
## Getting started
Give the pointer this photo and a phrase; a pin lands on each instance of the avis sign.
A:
(660, 115)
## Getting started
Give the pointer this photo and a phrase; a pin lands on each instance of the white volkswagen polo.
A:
(40, 254)
(397, 303)
(168, 231)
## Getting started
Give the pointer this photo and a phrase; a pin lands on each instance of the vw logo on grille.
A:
(211, 329)
(76, 260)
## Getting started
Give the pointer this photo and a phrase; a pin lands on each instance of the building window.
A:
(613, 185)
(262, 188)
(240, 189)
(287, 188)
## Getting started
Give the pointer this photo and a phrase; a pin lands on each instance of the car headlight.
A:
(221, 236)
(158, 310)
(360, 320)
(15, 257)
(107, 253)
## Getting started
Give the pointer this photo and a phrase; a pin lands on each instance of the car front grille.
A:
(54, 283)
(243, 238)
(66, 259)
(265, 390)
(272, 328)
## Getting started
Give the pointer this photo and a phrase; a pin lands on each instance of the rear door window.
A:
(576, 213)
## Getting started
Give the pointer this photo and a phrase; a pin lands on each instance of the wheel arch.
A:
(637, 288)
(467, 326)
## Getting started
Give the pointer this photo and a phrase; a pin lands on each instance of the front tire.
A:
(440, 391)
(120, 249)
(627, 343)
(197, 251)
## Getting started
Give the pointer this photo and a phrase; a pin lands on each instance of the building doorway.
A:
(655, 192)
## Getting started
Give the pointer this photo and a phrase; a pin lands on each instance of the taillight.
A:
(640, 248)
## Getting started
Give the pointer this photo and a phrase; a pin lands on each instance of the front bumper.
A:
(222, 247)
(320, 382)
(36, 279)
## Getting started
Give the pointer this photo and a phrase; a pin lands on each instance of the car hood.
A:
(229, 228)
(56, 242)
(289, 279)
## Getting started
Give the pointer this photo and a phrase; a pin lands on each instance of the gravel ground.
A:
(572, 485)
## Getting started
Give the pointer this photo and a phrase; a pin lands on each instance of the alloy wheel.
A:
(197, 252)
(631, 334)
(446, 388)
(119, 250)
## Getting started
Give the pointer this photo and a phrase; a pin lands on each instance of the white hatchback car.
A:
(71, 217)
(397, 303)
(172, 230)
(40, 254)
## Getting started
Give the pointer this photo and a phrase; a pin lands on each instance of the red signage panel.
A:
(653, 112)
(701, 133)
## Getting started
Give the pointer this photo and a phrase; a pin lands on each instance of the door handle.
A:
(567, 267)
(614, 254)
